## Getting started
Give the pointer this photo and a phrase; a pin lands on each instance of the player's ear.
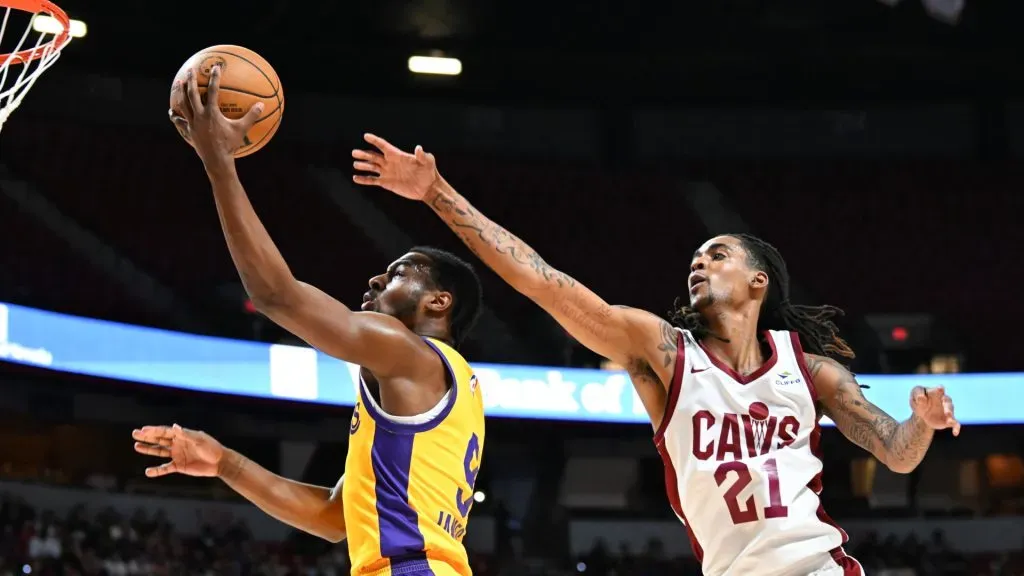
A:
(440, 302)
(759, 279)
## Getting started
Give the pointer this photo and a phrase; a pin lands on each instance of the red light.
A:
(250, 307)
(899, 334)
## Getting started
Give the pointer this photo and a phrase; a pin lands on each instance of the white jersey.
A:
(743, 465)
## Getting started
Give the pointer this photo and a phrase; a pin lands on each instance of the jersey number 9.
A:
(472, 467)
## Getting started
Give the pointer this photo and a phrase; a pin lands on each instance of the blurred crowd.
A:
(104, 543)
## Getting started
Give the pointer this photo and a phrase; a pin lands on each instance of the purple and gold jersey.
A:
(409, 483)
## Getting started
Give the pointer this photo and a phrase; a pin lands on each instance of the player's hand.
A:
(201, 123)
(191, 452)
(935, 408)
(408, 175)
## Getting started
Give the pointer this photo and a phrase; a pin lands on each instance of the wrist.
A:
(437, 189)
(919, 423)
(229, 464)
(219, 165)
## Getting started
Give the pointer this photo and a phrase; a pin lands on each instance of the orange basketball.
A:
(245, 79)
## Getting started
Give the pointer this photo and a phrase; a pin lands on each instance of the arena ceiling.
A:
(604, 50)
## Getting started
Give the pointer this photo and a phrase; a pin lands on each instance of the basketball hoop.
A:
(27, 60)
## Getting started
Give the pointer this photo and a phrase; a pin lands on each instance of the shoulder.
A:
(828, 375)
(452, 358)
(646, 323)
(655, 339)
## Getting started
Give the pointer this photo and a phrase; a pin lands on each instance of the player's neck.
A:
(430, 330)
(738, 346)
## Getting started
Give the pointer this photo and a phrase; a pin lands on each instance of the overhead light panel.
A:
(49, 25)
(437, 65)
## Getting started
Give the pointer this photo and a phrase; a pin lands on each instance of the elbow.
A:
(901, 467)
(333, 534)
(264, 303)
(529, 286)
(272, 299)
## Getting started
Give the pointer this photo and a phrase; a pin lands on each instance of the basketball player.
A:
(417, 432)
(734, 389)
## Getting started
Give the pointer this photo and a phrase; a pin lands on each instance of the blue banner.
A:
(150, 356)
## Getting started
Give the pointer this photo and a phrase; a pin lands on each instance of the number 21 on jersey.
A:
(746, 511)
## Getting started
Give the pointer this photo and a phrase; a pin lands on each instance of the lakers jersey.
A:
(409, 482)
(743, 464)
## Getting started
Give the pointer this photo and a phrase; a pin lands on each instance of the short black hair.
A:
(453, 274)
(818, 333)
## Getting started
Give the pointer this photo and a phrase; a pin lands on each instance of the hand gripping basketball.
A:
(214, 136)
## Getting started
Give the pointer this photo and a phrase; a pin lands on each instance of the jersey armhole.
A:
(420, 422)
(673, 388)
(801, 362)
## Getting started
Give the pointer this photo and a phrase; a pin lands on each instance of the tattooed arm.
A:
(638, 340)
(900, 446)
(619, 333)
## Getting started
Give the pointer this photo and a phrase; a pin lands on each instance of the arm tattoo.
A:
(595, 322)
(485, 239)
(649, 386)
(667, 342)
(901, 446)
(668, 345)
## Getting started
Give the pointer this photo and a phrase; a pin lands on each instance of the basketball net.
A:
(32, 55)
(760, 428)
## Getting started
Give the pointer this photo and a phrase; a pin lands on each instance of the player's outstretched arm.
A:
(380, 343)
(900, 446)
(638, 340)
(313, 509)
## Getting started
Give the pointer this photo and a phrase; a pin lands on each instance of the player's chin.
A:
(698, 299)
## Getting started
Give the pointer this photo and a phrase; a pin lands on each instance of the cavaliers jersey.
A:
(409, 482)
(743, 464)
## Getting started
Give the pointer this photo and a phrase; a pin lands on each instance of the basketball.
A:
(245, 79)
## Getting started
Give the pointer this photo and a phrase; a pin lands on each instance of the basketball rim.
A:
(26, 62)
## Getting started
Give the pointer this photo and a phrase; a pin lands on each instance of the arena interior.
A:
(878, 145)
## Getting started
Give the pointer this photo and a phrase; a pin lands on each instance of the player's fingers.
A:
(937, 392)
(193, 93)
(161, 470)
(180, 123)
(152, 434)
(366, 167)
(213, 88)
(365, 180)
(380, 143)
(918, 394)
(252, 116)
(947, 405)
(367, 155)
(152, 450)
(956, 427)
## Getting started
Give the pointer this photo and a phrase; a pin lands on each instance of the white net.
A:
(760, 429)
(27, 48)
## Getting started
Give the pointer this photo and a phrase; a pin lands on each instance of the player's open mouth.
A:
(369, 302)
(696, 281)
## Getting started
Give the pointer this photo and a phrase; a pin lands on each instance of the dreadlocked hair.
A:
(818, 333)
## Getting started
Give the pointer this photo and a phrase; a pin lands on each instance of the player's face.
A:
(719, 272)
(399, 291)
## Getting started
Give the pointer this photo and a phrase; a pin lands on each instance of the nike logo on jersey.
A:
(694, 370)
